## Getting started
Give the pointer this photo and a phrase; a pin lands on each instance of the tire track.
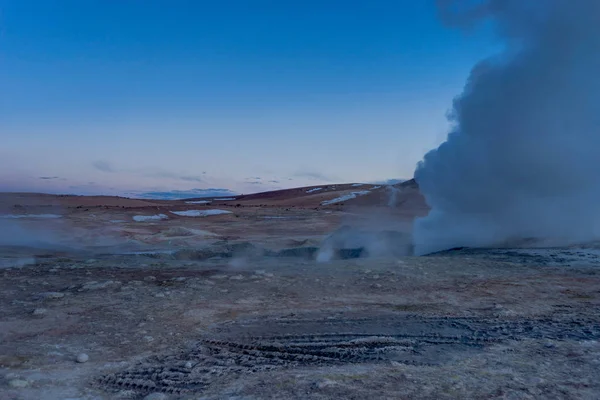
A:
(240, 349)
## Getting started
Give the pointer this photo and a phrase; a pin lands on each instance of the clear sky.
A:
(118, 96)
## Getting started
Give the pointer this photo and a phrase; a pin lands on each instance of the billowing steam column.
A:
(523, 157)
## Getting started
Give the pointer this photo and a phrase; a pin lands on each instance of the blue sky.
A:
(103, 96)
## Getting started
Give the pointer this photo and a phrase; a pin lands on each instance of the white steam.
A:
(523, 157)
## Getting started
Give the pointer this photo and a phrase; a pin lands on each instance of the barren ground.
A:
(235, 306)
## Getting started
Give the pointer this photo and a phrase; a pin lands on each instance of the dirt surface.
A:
(236, 306)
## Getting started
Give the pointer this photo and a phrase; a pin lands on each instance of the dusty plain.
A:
(242, 305)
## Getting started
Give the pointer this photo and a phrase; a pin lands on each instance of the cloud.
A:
(191, 178)
(164, 174)
(48, 177)
(314, 175)
(148, 172)
(103, 166)
(254, 183)
(273, 181)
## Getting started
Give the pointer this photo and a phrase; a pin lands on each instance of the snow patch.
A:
(314, 190)
(226, 198)
(345, 197)
(143, 218)
(376, 187)
(200, 213)
(180, 231)
(358, 184)
(198, 202)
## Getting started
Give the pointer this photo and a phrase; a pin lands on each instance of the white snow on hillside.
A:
(144, 218)
(226, 198)
(358, 184)
(345, 197)
(198, 202)
(200, 213)
(314, 190)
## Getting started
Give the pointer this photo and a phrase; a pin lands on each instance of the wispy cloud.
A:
(160, 173)
(46, 178)
(191, 178)
(314, 175)
(255, 180)
(103, 166)
(152, 172)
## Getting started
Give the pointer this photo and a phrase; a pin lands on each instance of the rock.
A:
(236, 278)
(219, 277)
(39, 312)
(82, 358)
(156, 396)
(149, 278)
(18, 383)
(148, 339)
(189, 365)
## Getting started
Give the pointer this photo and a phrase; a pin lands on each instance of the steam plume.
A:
(523, 157)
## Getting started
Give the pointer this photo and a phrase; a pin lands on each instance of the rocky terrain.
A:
(284, 295)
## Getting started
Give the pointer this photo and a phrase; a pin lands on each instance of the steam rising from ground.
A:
(523, 159)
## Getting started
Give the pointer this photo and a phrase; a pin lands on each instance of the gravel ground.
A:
(509, 323)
